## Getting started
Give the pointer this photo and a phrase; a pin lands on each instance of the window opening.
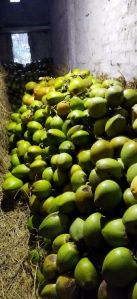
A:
(21, 48)
(14, 1)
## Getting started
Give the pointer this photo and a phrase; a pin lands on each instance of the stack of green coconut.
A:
(18, 74)
(74, 158)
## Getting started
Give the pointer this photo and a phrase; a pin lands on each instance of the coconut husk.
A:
(18, 277)
(61, 70)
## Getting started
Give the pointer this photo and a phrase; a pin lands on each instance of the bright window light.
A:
(14, 0)
(21, 48)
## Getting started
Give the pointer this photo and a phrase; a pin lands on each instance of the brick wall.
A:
(99, 34)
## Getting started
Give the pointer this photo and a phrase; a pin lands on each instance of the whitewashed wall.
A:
(99, 34)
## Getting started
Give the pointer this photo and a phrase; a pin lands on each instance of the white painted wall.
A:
(99, 34)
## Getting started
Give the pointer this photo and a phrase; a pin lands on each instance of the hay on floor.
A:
(17, 279)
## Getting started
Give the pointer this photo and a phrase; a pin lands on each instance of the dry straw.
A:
(17, 277)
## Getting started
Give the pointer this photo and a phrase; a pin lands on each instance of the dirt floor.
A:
(17, 277)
